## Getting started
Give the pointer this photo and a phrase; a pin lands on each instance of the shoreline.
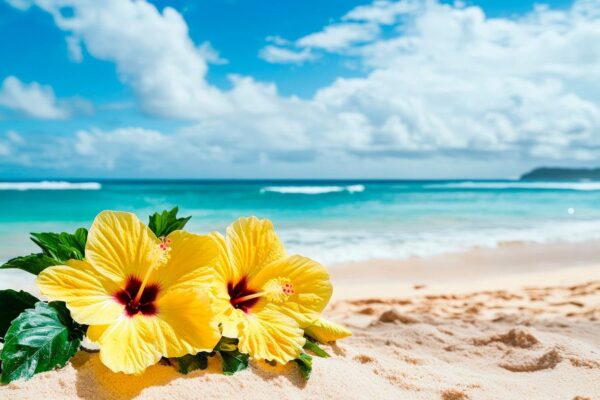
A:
(510, 266)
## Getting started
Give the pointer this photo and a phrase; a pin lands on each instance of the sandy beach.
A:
(517, 322)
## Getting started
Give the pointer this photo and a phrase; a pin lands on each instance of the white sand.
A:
(505, 324)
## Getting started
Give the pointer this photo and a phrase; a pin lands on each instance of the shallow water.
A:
(331, 221)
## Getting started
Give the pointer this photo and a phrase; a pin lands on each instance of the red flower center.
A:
(146, 303)
(238, 291)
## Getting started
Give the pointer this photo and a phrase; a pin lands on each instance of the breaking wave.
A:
(313, 189)
(50, 185)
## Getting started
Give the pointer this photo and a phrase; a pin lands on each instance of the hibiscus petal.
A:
(327, 331)
(88, 295)
(252, 243)
(186, 323)
(119, 245)
(311, 287)
(270, 335)
(191, 261)
(95, 332)
(223, 274)
(232, 320)
(130, 344)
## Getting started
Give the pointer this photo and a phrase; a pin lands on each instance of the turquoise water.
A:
(332, 221)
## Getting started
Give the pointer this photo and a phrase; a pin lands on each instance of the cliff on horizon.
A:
(562, 174)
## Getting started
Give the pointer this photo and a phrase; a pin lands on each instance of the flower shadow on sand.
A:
(96, 382)
(288, 372)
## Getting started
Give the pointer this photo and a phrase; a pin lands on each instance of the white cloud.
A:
(74, 48)
(211, 55)
(107, 149)
(444, 81)
(9, 146)
(280, 55)
(136, 149)
(359, 26)
(20, 4)
(34, 100)
(453, 81)
(340, 36)
(152, 51)
(14, 137)
(382, 12)
(277, 40)
(4, 149)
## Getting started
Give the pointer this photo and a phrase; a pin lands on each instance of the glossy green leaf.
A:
(166, 222)
(227, 344)
(314, 347)
(33, 263)
(38, 340)
(189, 363)
(304, 362)
(13, 303)
(62, 246)
(233, 361)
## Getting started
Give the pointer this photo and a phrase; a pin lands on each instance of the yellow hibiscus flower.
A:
(266, 298)
(143, 297)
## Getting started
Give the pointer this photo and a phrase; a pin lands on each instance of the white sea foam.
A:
(50, 185)
(330, 247)
(313, 189)
(583, 186)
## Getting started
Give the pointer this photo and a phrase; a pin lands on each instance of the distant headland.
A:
(562, 174)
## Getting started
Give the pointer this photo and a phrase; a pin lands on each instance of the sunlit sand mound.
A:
(532, 343)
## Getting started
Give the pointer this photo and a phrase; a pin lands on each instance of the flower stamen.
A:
(246, 298)
(164, 248)
(276, 290)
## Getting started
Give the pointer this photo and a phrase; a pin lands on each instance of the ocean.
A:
(330, 221)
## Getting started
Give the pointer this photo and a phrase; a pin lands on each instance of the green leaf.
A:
(38, 340)
(62, 246)
(189, 363)
(233, 361)
(12, 304)
(314, 347)
(33, 263)
(166, 222)
(226, 344)
(305, 364)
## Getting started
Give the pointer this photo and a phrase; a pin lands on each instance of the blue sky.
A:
(242, 89)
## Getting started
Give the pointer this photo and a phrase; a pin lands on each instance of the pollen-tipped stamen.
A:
(277, 290)
(164, 247)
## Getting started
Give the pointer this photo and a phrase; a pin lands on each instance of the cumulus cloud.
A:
(151, 49)
(443, 80)
(33, 99)
(130, 149)
(211, 55)
(450, 80)
(338, 37)
(106, 149)
(360, 25)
